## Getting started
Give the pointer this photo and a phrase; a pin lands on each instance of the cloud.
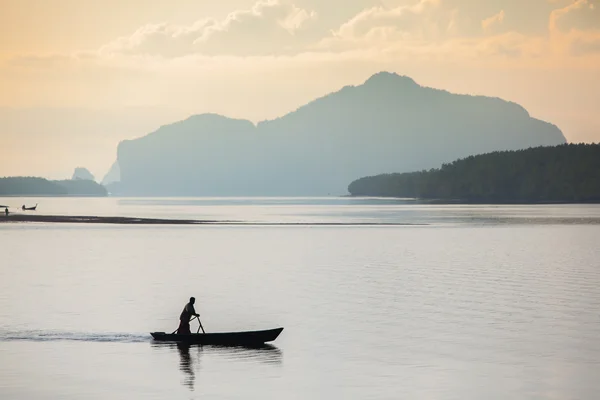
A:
(270, 26)
(380, 27)
(406, 20)
(578, 14)
(567, 38)
(425, 28)
(276, 31)
(443, 29)
(430, 29)
(559, 13)
(488, 23)
(158, 39)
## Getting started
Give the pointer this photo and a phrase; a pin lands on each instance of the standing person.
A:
(184, 319)
(6, 211)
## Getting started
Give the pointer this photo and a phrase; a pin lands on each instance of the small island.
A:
(568, 173)
(34, 186)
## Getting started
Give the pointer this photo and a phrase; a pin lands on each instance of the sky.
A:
(78, 76)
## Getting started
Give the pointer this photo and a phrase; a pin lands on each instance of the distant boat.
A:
(29, 208)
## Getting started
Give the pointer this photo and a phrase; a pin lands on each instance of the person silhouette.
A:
(184, 319)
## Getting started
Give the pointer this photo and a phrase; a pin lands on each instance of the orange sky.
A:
(260, 59)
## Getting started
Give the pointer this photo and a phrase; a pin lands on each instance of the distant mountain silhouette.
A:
(113, 174)
(83, 173)
(388, 124)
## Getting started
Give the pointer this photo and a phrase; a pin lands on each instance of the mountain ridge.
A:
(387, 124)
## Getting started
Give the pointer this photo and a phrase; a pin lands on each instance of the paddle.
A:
(200, 326)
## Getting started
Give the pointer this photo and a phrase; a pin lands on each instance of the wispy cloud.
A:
(279, 28)
(269, 27)
(420, 20)
(496, 19)
(569, 40)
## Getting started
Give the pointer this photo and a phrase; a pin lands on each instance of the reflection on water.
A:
(186, 365)
(267, 354)
(190, 356)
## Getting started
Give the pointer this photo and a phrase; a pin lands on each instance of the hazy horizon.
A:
(128, 67)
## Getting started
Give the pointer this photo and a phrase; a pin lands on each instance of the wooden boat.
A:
(29, 208)
(221, 338)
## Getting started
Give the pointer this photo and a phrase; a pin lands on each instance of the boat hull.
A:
(222, 338)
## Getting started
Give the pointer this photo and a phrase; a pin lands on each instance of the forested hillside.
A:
(564, 173)
(33, 186)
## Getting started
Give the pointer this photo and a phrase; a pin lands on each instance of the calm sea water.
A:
(469, 302)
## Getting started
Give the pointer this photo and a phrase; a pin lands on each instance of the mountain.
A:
(388, 124)
(83, 173)
(205, 154)
(113, 174)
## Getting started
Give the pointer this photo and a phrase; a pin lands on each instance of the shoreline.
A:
(20, 218)
(462, 202)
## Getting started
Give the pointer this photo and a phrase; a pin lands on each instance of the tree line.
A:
(565, 173)
(34, 186)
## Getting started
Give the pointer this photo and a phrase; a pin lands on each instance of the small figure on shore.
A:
(6, 211)
(184, 319)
